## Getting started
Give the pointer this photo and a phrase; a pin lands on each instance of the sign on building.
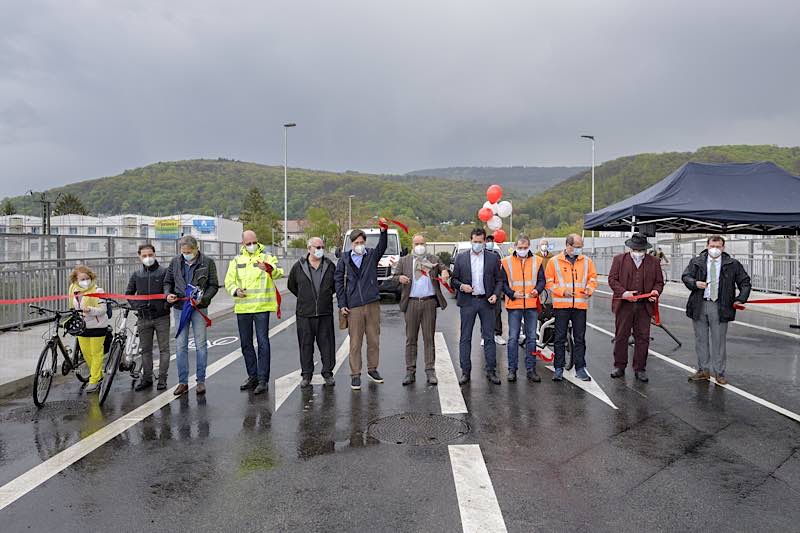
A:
(205, 225)
(168, 228)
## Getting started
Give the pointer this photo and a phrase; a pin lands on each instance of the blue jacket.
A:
(362, 284)
(492, 276)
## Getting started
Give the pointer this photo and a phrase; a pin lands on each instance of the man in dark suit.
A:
(420, 297)
(633, 274)
(478, 280)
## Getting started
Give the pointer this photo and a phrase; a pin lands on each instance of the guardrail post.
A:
(110, 267)
(20, 307)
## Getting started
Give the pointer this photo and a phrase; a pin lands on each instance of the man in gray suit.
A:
(420, 297)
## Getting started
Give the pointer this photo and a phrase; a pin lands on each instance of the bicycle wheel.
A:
(81, 368)
(569, 362)
(43, 378)
(110, 370)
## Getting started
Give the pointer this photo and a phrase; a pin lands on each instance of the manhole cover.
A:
(54, 409)
(417, 429)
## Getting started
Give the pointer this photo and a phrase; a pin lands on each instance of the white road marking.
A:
(735, 390)
(592, 387)
(451, 399)
(285, 385)
(477, 501)
(21, 485)
(735, 322)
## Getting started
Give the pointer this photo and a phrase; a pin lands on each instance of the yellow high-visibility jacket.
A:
(244, 273)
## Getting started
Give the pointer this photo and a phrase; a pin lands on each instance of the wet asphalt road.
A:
(674, 456)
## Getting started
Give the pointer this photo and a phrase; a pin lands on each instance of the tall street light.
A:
(591, 138)
(286, 189)
(350, 211)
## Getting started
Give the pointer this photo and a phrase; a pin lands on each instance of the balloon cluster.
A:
(493, 212)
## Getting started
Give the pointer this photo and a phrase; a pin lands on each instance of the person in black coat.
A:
(477, 278)
(713, 277)
(311, 280)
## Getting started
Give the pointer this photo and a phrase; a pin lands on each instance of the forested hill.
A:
(527, 180)
(219, 186)
(564, 205)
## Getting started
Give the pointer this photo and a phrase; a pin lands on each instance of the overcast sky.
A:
(91, 88)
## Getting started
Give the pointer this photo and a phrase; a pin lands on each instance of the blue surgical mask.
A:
(188, 257)
(319, 253)
(490, 245)
(477, 247)
(577, 251)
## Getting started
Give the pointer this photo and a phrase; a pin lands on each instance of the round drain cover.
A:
(51, 409)
(417, 429)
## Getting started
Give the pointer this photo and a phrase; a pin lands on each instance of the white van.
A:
(385, 266)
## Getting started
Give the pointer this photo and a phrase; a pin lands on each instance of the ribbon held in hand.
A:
(101, 295)
(441, 281)
(647, 295)
(383, 223)
(741, 307)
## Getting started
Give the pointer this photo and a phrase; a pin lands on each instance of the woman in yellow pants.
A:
(82, 283)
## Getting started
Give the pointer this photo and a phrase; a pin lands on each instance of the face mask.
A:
(523, 253)
(319, 253)
(477, 247)
(85, 283)
(714, 252)
(148, 261)
(637, 254)
(250, 248)
(419, 249)
(490, 246)
(188, 257)
(359, 249)
(543, 248)
(576, 251)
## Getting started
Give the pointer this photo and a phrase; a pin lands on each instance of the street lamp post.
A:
(286, 188)
(350, 212)
(591, 138)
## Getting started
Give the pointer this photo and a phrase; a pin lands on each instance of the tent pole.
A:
(797, 270)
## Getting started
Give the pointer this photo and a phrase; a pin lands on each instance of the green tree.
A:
(69, 204)
(257, 216)
(321, 225)
(8, 207)
(299, 243)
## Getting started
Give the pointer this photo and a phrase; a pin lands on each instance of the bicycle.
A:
(47, 364)
(116, 359)
(546, 331)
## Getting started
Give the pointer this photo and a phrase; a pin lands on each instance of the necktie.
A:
(713, 291)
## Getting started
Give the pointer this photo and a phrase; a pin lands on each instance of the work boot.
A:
(355, 383)
(512, 375)
(431, 375)
(618, 372)
(641, 375)
(261, 388)
(144, 384)
(492, 377)
(329, 381)
(410, 378)
(249, 383)
(374, 376)
(700, 375)
(305, 382)
(464, 379)
(533, 376)
(181, 389)
(582, 374)
(162, 383)
(558, 374)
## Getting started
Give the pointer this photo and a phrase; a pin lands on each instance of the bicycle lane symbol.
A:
(222, 341)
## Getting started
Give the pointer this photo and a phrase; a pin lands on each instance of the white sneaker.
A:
(499, 340)
(481, 342)
(522, 338)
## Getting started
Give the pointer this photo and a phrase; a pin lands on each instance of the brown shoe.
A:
(181, 389)
(721, 379)
(201, 388)
(700, 375)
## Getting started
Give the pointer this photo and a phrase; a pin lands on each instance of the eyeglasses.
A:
(250, 243)
(319, 247)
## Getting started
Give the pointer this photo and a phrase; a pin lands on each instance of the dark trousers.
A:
(421, 314)
(160, 327)
(319, 329)
(578, 319)
(257, 367)
(477, 307)
(498, 318)
(632, 316)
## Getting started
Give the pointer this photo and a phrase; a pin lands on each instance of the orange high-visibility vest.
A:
(522, 277)
(561, 274)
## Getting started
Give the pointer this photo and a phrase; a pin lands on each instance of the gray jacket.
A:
(204, 278)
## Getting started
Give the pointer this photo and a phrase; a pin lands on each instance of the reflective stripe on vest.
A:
(258, 298)
(563, 285)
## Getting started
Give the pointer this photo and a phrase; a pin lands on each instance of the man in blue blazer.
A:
(478, 279)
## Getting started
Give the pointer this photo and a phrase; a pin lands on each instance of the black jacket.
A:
(362, 283)
(732, 275)
(204, 277)
(309, 302)
(462, 273)
(148, 280)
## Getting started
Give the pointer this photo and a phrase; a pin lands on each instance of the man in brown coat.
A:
(417, 272)
(632, 274)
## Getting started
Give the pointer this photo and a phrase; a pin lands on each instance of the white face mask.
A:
(319, 253)
(359, 249)
(148, 261)
(543, 248)
(523, 252)
(251, 248)
(714, 252)
(85, 283)
(637, 254)
(419, 249)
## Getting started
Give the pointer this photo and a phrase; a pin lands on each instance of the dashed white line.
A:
(285, 385)
(451, 399)
(592, 387)
(477, 502)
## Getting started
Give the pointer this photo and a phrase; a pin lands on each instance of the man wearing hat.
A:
(632, 274)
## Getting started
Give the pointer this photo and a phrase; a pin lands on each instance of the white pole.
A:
(592, 192)
(511, 224)
(350, 212)
(285, 192)
(797, 269)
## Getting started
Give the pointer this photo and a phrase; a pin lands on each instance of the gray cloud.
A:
(91, 88)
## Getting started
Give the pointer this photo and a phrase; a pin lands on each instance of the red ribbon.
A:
(104, 295)
(194, 304)
(741, 307)
(441, 281)
(543, 357)
(656, 314)
(396, 223)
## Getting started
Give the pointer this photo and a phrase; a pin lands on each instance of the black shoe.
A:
(355, 383)
(533, 376)
(618, 372)
(374, 376)
(431, 375)
(410, 378)
(329, 381)
(261, 388)
(642, 376)
(305, 382)
(492, 377)
(144, 384)
(512, 376)
(464, 379)
(250, 383)
(162, 383)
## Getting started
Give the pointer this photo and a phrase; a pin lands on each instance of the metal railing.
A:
(34, 266)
